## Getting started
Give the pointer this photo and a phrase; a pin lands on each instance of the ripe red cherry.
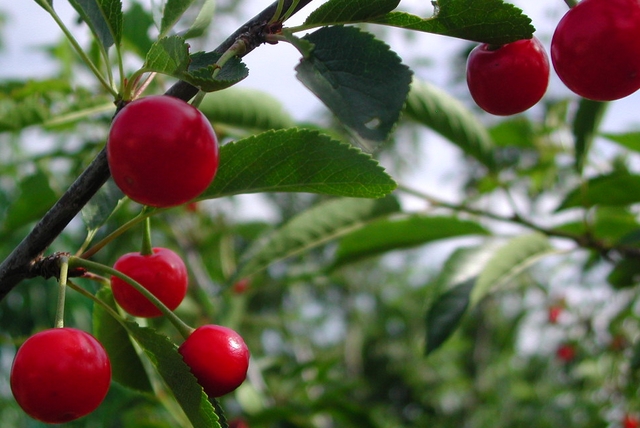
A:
(508, 79)
(217, 357)
(595, 49)
(162, 151)
(630, 421)
(566, 353)
(554, 312)
(60, 374)
(163, 273)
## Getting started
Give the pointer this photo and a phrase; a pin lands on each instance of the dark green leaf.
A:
(246, 109)
(585, 126)
(137, 22)
(398, 233)
(165, 358)
(625, 274)
(173, 11)
(315, 226)
(340, 11)
(101, 206)
(508, 261)
(297, 160)
(104, 17)
(486, 21)
(201, 70)
(36, 197)
(616, 189)
(447, 116)
(126, 366)
(358, 78)
(607, 224)
(444, 316)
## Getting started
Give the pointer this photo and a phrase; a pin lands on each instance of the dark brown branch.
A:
(26, 260)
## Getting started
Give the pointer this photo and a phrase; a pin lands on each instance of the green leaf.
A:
(340, 11)
(508, 261)
(104, 18)
(434, 108)
(101, 206)
(137, 22)
(358, 78)
(398, 233)
(201, 70)
(126, 366)
(607, 224)
(585, 127)
(444, 316)
(173, 11)
(485, 21)
(36, 197)
(615, 189)
(629, 140)
(169, 55)
(625, 274)
(316, 226)
(164, 356)
(202, 21)
(297, 160)
(246, 109)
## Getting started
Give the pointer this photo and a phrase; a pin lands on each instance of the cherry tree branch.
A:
(26, 260)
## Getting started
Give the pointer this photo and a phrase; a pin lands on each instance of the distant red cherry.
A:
(566, 353)
(241, 286)
(554, 312)
(238, 423)
(508, 79)
(630, 421)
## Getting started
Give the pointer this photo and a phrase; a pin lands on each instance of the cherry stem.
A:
(147, 248)
(571, 3)
(184, 329)
(62, 288)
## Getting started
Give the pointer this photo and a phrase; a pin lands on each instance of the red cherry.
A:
(595, 49)
(162, 151)
(554, 313)
(238, 423)
(630, 421)
(60, 374)
(163, 273)
(217, 357)
(241, 286)
(566, 352)
(508, 79)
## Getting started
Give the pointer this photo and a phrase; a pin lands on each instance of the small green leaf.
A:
(202, 21)
(297, 160)
(164, 356)
(126, 366)
(358, 78)
(339, 11)
(36, 197)
(585, 127)
(316, 226)
(101, 206)
(615, 189)
(408, 231)
(247, 109)
(444, 316)
(104, 17)
(485, 21)
(447, 116)
(173, 11)
(169, 55)
(630, 140)
(508, 261)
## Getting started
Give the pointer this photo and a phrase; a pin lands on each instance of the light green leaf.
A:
(247, 109)
(339, 11)
(407, 231)
(615, 189)
(35, 199)
(486, 21)
(358, 78)
(169, 55)
(126, 366)
(101, 206)
(297, 160)
(434, 108)
(173, 11)
(508, 261)
(202, 21)
(314, 227)
(629, 140)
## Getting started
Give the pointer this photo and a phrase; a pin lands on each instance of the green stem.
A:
(62, 288)
(76, 46)
(277, 13)
(180, 325)
(238, 48)
(104, 305)
(571, 3)
(289, 12)
(147, 248)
